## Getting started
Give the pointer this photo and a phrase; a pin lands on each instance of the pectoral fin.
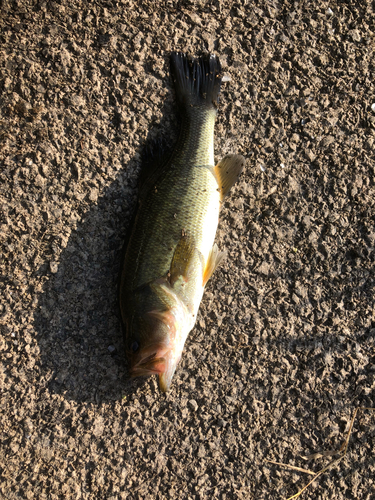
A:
(184, 259)
(227, 172)
(214, 260)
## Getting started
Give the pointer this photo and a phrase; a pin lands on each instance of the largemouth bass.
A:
(171, 252)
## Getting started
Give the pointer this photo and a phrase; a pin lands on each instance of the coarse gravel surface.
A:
(284, 347)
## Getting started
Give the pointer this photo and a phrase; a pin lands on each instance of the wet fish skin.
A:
(171, 252)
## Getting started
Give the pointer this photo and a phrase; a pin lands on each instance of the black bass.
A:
(171, 252)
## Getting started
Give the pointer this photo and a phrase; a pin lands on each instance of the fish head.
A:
(155, 343)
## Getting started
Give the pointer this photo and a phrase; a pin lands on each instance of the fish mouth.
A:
(152, 365)
(160, 362)
(149, 360)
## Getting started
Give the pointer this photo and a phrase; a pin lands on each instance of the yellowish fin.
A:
(183, 259)
(227, 172)
(214, 260)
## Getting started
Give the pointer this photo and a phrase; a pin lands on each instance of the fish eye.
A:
(134, 346)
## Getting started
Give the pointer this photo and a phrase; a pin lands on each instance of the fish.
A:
(171, 251)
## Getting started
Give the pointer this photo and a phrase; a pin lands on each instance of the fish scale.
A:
(161, 221)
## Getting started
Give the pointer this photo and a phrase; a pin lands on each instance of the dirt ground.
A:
(284, 347)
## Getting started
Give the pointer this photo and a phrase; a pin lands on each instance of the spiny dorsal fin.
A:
(227, 172)
(214, 260)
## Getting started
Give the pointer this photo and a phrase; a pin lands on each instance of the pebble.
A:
(53, 267)
(193, 404)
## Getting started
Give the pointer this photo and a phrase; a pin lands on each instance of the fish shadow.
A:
(77, 320)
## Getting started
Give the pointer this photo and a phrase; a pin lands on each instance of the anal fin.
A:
(227, 172)
(214, 260)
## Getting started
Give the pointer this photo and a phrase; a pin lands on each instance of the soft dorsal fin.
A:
(227, 172)
(215, 258)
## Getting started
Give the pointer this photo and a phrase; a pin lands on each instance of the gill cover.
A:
(160, 335)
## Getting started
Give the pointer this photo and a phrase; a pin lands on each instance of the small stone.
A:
(94, 193)
(310, 155)
(295, 138)
(54, 267)
(40, 181)
(327, 141)
(295, 298)
(193, 404)
(222, 422)
(356, 36)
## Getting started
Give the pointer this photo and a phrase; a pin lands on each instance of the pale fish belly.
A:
(210, 222)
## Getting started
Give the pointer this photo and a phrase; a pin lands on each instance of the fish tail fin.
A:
(197, 81)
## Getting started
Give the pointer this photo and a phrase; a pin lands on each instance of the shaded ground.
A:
(284, 348)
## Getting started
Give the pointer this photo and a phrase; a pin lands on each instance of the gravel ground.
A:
(284, 347)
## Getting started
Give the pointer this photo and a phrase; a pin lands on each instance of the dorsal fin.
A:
(227, 172)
